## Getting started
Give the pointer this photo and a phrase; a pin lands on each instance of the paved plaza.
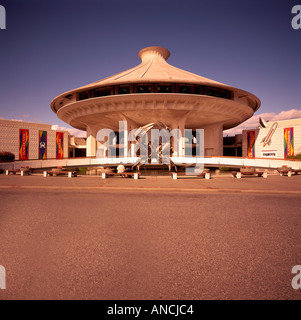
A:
(152, 238)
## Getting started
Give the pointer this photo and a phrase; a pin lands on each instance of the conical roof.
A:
(154, 68)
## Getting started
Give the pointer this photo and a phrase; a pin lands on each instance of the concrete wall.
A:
(275, 149)
(9, 138)
(213, 140)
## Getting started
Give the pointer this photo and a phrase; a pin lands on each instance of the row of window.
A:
(155, 88)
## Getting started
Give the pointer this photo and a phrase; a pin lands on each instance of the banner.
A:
(42, 145)
(59, 145)
(251, 144)
(288, 142)
(23, 144)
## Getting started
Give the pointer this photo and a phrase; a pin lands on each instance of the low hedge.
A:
(298, 156)
(6, 156)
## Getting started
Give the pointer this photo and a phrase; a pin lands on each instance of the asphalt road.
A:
(58, 244)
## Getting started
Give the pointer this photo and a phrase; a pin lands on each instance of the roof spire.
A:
(153, 52)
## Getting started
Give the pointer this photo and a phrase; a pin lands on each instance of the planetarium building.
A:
(155, 93)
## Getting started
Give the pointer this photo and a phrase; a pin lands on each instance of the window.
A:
(185, 89)
(164, 88)
(124, 89)
(216, 92)
(100, 92)
(198, 90)
(143, 88)
(84, 95)
(154, 87)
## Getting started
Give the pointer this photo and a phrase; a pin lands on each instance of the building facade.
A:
(279, 139)
(32, 141)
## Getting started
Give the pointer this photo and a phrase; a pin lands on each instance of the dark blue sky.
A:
(52, 46)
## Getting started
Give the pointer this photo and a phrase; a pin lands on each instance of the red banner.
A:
(43, 145)
(23, 144)
(251, 144)
(60, 145)
(288, 142)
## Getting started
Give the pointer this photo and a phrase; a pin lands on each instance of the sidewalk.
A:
(222, 183)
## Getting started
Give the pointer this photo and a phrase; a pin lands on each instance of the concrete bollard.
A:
(136, 176)
(207, 175)
(22, 173)
(45, 174)
(174, 175)
(289, 174)
(238, 176)
(103, 175)
(7, 172)
(265, 175)
(69, 174)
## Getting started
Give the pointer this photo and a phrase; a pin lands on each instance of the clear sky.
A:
(52, 46)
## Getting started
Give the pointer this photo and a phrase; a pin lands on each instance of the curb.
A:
(147, 189)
